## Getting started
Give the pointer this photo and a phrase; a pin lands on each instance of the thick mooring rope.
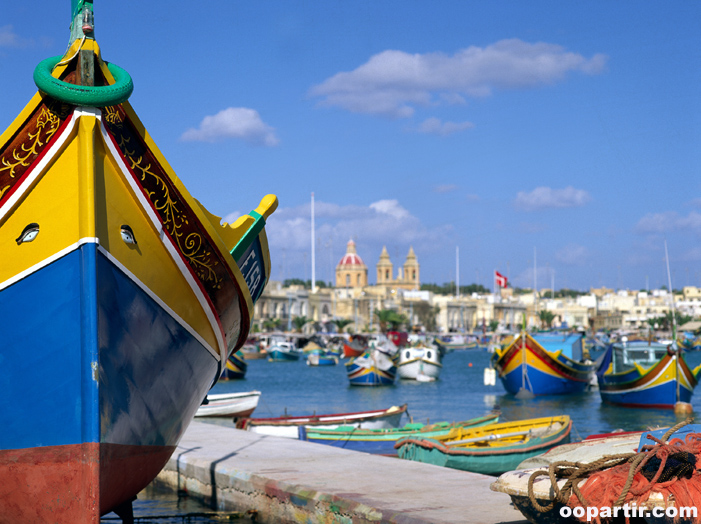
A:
(577, 472)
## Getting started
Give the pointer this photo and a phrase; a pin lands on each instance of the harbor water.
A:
(294, 388)
(459, 394)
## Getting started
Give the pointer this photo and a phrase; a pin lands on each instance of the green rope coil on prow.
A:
(93, 96)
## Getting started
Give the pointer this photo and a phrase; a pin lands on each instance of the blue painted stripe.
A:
(71, 314)
(541, 383)
(41, 379)
(662, 394)
(153, 373)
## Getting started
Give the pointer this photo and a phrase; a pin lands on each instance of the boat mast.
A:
(674, 321)
(313, 250)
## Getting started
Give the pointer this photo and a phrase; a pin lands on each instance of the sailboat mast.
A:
(313, 250)
(674, 321)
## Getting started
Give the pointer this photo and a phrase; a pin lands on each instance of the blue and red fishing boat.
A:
(646, 374)
(116, 286)
(372, 368)
(236, 367)
(544, 365)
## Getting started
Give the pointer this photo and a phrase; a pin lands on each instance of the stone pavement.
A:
(286, 480)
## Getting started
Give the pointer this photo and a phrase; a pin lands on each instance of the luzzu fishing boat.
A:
(547, 365)
(236, 367)
(372, 368)
(116, 286)
(646, 374)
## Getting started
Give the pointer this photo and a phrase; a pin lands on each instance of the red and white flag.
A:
(500, 279)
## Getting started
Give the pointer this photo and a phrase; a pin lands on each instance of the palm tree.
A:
(300, 322)
(384, 317)
(341, 323)
(397, 320)
(546, 317)
(271, 324)
(389, 317)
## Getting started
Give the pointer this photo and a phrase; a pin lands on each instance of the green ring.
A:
(93, 96)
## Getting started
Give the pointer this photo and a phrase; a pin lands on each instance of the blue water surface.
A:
(459, 394)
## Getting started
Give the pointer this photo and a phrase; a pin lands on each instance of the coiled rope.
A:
(577, 472)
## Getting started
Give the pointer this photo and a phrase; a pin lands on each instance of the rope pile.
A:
(668, 468)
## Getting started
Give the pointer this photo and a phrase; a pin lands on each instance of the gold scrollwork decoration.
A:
(175, 220)
(47, 123)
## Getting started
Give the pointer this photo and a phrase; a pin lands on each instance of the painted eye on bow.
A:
(29, 233)
(128, 235)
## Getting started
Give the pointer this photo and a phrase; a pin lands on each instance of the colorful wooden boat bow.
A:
(642, 374)
(544, 365)
(117, 287)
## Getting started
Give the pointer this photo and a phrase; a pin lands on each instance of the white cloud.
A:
(573, 255)
(10, 39)
(385, 222)
(234, 122)
(392, 83)
(434, 126)
(549, 198)
(669, 221)
(391, 208)
(231, 217)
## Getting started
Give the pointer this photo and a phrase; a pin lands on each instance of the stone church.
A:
(351, 271)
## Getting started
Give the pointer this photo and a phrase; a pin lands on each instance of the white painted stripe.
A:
(158, 300)
(168, 243)
(38, 168)
(129, 274)
(36, 267)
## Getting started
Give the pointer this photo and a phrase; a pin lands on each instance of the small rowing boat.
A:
(492, 449)
(288, 426)
(236, 405)
(382, 441)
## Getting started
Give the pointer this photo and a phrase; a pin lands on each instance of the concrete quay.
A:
(289, 481)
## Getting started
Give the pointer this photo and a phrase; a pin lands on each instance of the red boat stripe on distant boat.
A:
(553, 364)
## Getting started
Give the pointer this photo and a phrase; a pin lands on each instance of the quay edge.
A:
(288, 481)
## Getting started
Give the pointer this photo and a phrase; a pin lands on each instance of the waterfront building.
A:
(398, 289)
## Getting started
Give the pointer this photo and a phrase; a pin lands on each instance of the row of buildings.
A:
(355, 299)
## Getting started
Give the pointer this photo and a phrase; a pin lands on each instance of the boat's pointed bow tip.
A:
(267, 205)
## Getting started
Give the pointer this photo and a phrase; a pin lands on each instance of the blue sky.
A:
(504, 128)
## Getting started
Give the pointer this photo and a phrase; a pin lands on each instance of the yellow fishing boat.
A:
(492, 449)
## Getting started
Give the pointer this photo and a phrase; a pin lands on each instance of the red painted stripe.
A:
(74, 483)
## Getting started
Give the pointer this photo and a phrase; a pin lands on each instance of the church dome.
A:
(351, 257)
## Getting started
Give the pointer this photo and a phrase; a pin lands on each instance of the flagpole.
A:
(457, 271)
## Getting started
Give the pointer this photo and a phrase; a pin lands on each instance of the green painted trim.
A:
(249, 236)
(93, 96)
